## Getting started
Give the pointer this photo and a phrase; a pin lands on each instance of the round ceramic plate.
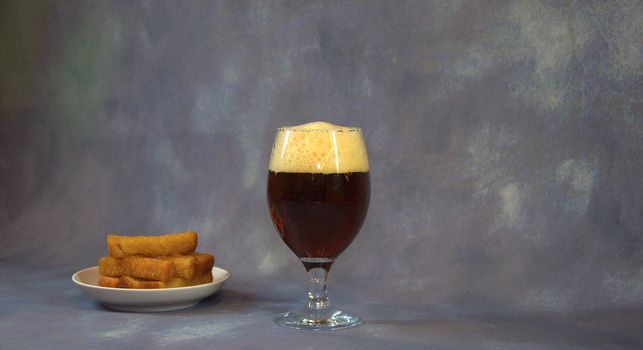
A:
(147, 300)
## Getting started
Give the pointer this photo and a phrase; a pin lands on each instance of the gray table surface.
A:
(43, 309)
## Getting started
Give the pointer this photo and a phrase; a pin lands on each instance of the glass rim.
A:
(342, 129)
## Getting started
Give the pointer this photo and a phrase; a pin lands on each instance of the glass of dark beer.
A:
(318, 194)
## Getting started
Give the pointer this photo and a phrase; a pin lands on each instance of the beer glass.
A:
(318, 194)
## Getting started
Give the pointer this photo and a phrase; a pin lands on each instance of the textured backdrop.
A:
(505, 139)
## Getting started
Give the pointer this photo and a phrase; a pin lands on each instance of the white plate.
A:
(147, 300)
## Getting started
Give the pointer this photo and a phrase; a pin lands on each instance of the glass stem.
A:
(317, 293)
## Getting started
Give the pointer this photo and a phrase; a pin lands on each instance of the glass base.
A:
(332, 320)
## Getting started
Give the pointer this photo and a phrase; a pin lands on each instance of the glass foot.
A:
(328, 321)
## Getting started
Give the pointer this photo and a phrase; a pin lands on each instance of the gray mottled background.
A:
(505, 139)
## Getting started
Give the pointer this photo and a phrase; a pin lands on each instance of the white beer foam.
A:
(319, 147)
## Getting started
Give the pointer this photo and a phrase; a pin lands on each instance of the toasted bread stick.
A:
(137, 266)
(138, 283)
(106, 281)
(163, 268)
(151, 246)
(204, 263)
(190, 265)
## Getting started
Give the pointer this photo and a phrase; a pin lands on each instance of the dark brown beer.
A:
(318, 215)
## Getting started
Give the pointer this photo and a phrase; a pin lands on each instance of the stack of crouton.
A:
(150, 262)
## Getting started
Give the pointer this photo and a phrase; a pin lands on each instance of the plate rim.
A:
(75, 277)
